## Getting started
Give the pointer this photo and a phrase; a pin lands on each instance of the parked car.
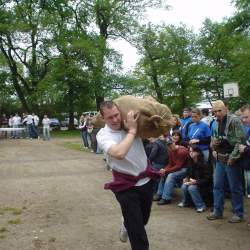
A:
(65, 122)
(90, 113)
(54, 123)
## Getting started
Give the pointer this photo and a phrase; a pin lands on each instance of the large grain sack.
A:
(154, 120)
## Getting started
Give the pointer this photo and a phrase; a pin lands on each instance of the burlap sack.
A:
(155, 119)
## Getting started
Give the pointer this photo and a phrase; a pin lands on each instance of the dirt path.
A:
(52, 198)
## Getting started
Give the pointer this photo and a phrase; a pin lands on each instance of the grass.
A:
(65, 133)
(74, 146)
(3, 229)
(15, 221)
(15, 211)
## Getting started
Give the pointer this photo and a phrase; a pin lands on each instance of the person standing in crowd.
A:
(198, 182)
(94, 144)
(29, 123)
(173, 173)
(89, 133)
(46, 128)
(225, 149)
(199, 133)
(132, 185)
(4, 124)
(84, 133)
(35, 125)
(176, 124)
(185, 123)
(25, 126)
(245, 149)
(10, 123)
(16, 124)
(206, 118)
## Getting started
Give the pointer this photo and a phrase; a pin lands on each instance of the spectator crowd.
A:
(207, 155)
(25, 126)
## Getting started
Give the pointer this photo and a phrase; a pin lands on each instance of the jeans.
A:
(15, 132)
(34, 132)
(136, 205)
(206, 154)
(46, 133)
(247, 181)
(234, 175)
(166, 185)
(85, 138)
(193, 192)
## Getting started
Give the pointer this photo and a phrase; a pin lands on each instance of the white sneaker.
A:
(248, 196)
(123, 233)
(181, 204)
(201, 210)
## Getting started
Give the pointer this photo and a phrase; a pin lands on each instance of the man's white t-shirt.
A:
(134, 162)
(16, 120)
(46, 122)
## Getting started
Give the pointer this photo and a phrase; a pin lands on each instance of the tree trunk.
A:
(157, 86)
(71, 105)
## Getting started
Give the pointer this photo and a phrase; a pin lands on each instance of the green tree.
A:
(23, 44)
(114, 19)
(168, 60)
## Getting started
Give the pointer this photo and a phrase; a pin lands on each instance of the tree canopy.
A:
(55, 56)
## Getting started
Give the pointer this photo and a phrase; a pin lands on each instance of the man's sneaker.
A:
(163, 202)
(123, 233)
(248, 196)
(182, 204)
(201, 210)
(214, 216)
(235, 219)
(156, 197)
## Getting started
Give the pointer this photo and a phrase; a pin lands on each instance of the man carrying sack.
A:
(226, 139)
(132, 184)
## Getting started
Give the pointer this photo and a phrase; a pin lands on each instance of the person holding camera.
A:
(225, 143)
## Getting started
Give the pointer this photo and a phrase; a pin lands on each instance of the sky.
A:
(190, 12)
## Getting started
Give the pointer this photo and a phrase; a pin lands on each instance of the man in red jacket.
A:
(173, 173)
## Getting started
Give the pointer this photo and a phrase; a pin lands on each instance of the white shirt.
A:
(29, 119)
(16, 120)
(46, 122)
(36, 120)
(134, 162)
(11, 122)
(207, 120)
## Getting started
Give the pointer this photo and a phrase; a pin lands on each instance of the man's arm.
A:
(119, 151)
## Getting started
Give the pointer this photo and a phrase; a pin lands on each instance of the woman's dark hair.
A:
(195, 148)
(178, 132)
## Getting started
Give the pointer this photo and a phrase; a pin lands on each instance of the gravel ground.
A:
(52, 198)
